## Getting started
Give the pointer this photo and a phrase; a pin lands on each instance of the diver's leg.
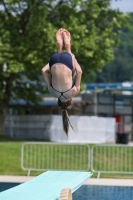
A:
(67, 39)
(59, 40)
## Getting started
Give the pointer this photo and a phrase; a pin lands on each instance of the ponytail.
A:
(65, 118)
(66, 121)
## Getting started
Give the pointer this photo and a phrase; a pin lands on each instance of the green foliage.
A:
(94, 32)
(27, 39)
(121, 68)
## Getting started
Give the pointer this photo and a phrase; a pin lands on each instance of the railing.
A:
(116, 159)
(37, 156)
(41, 156)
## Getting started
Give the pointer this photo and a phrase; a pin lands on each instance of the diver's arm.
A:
(46, 76)
(78, 74)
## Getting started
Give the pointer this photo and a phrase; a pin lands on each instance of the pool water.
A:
(5, 185)
(98, 192)
(92, 192)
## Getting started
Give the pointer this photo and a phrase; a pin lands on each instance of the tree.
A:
(27, 39)
(121, 68)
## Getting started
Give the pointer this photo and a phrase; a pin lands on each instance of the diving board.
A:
(46, 186)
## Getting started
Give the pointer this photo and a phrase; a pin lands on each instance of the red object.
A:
(117, 118)
(119, 123)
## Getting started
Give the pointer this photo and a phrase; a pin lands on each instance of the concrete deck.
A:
(91, 181)
(110, 182)
(15, 179)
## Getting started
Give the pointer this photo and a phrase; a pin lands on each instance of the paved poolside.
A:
(91, 181)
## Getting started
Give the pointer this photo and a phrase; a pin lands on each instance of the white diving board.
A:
(46, 186)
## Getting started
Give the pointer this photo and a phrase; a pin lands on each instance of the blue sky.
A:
(123, 5)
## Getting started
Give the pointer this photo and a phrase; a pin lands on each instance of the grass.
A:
(10, 159)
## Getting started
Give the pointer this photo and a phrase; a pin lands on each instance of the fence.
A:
(116, 159)
(37, 156)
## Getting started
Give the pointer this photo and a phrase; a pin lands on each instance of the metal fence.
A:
(41, 156)
(117, 159)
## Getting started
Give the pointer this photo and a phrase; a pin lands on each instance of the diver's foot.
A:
(59, 39)
(67, 39)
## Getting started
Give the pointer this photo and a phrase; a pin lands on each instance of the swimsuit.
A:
(66, 59)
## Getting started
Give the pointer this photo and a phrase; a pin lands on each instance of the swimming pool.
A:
(92, 192)
(6, 186)
(98, 192)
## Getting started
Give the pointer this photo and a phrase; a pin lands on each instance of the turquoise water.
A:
(95, 192)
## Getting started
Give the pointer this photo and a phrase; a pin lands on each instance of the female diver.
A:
(64, 67)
